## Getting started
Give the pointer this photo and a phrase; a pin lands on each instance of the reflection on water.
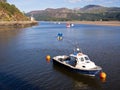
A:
(14, 83)
(80, 81)
(8, 34)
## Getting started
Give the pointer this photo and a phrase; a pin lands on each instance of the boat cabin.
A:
(81, 61)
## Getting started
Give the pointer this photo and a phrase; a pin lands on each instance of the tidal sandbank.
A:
(105, 23)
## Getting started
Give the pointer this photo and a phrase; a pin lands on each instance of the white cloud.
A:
(75, 1)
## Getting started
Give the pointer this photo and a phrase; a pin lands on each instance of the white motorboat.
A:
(78, 62)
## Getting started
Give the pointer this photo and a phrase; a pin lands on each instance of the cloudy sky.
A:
(29, 5)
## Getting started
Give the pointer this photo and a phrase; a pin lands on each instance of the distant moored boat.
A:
(68, 25)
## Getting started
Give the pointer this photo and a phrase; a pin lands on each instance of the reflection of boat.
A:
(79, 81)
(78, 62)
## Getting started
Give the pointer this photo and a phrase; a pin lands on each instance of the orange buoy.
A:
(103, 80)
(103, 75)
(48, 58)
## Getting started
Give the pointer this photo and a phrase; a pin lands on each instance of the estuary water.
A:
(23, 64)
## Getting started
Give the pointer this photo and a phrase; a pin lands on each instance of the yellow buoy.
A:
(103, 75)
(48, 58)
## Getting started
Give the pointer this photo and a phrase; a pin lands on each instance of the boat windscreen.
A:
(86, 58)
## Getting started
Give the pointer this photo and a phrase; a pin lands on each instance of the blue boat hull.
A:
(85, 72)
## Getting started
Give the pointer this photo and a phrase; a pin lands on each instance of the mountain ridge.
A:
(87, 7)
(89, 12)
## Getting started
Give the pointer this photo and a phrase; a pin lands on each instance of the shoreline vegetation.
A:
(21, 24)
(103, 23)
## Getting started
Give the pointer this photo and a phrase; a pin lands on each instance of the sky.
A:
(31, 5)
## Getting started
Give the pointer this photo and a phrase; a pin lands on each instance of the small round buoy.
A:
(48, 58)
(103, 75)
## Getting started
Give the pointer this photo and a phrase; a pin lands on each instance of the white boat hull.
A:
(90, 72)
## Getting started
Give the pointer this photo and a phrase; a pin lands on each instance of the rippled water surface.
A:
(23, 65)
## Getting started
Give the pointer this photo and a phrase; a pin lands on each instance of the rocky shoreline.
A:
(17, 23)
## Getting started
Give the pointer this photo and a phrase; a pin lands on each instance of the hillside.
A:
(89, 13)
(11, 13)
(3, 0)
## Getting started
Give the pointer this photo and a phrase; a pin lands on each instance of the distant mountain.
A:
(89, 12)
(98, 9)
(11, 13)
(50, 13)
(90, 7)
(93, 9)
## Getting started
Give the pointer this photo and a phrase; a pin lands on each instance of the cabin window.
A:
(86, 58)
(82, 59)
(83, 66)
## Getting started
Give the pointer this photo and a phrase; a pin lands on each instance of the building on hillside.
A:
(32, 18)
